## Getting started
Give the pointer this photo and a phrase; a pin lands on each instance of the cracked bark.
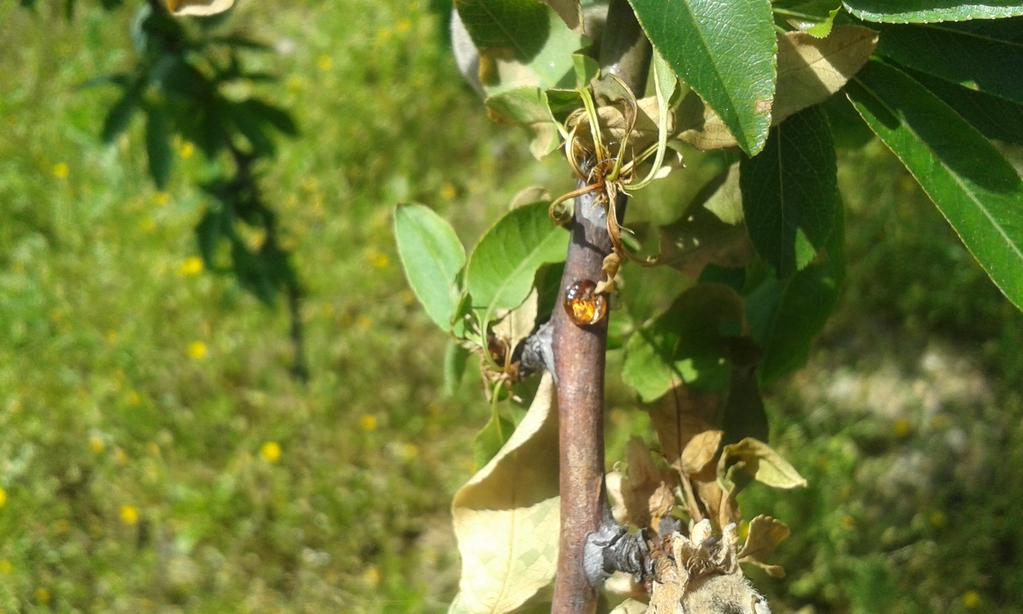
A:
(579, 352)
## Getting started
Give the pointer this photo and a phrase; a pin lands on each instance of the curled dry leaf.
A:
(617, 119)
(809, 71)
(765, 534)
(760, 461)
(517, 324)
(198, 8)
(506, 516)
(646, 493)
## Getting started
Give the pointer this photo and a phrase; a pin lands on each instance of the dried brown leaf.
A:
(760, 461)
(700, 451)
(646, 493)
(198, 8)
(765, 534)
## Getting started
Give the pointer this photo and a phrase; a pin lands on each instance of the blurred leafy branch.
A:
(190, 81)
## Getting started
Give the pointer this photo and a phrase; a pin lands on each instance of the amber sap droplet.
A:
(583, 305)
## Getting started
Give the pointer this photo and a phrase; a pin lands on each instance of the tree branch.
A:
(579, 352)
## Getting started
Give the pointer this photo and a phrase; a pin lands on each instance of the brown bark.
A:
(579, 352)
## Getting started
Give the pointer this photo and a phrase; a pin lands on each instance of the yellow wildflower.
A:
(3, 497)
(161, 199)
(96, 445)
(61, 170)
(5, 567)
(186, 150)
(971, 600)
(191, 267)
(270, 451)
(324, 62)
(403, 26)
(197, 350)
(902, 428)
(129, 515)
(448, 191)
(379, 261)
(371, 576)
(368, 423)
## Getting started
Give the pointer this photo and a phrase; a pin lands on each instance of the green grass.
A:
(131, 461)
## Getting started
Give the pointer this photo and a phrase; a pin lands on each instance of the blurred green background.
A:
(157, 455)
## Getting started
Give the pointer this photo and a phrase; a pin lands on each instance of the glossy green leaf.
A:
(974, 187)
(789, 192)
(687, 344)
(984, 56)
(786, 315)
(725, 51)
(502, 266)
(815, 17)
(810, 70)
(158, 148)
(926, 11)
(996, 117)
(432, 256)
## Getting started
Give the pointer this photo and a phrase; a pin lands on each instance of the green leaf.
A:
(492, 436)
(521, 43)
(519, 26)
(268, 113)
(665, 83)
(995, 117)
(725, 52)
(506, 516)
(926, 11)
(119, 115)
(810, 70)
(974, 187)
(687, 344)
(789, 192)
(786, 315)
(502, 266)
(815, 17)
(455, 358)
(527, 106)
(570, 12)
(744, 414)
(158, 148)
(983, 56)
(432, 255)
(759, 461)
